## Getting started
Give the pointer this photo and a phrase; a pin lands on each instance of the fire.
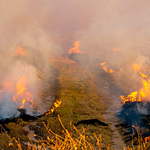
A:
(75, 49)
(147, 139)
(19, 90)
(106, 68)
(130, 98)
(56, 104)
(142, 93)
(115, 49)
(137, 69)
(19, 51)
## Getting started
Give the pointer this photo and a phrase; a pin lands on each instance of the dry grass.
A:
(72, 140)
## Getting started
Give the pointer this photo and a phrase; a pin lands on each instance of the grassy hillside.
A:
(80, 98)
(80, 101)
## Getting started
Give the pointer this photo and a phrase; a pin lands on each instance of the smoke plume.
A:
(116, 32)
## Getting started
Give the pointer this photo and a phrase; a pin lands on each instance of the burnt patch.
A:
(94, 122)
(134, 121)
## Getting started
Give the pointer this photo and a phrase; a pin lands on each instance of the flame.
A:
(75, 49)
(106, 68)
(19, 90)
(56, 104)
(142, 93)
(147, 139)
(19, 51)
(130, 98)
(115, 49)
(137, 69)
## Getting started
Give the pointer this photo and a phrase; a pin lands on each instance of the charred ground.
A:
(81, 99)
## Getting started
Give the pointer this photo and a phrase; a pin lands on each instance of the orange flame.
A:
(115, 49)
(137, 69)
(19, 51)
(19, 89)
(56, 104)
(106, 68)
(142, 93)
(147, 139)
(75, 49)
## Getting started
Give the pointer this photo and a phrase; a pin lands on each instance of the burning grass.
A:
(80, 100)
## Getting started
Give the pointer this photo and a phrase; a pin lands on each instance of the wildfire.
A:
(75, 49)
(19, 51)
(19, 90)
(137, 69)
(106, 68)
(56, 104)
(142, 93)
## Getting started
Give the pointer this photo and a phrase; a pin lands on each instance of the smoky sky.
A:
(99, 25)
(45, 28)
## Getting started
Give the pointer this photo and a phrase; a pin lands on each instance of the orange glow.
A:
(115, 49)
(137, 69)
(75, 49)
(19, 89)
(147, 139)
(56, 104)
(142, 93)
(121, 69)
(19, 51)
(130, 98)
(106, 68)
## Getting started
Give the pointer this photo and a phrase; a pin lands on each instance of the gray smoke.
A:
(47, 28)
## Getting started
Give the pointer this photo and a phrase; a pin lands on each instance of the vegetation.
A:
(73, 140)
(80, 100)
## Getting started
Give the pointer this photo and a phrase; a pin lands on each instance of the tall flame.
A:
(115, 49)
(75, 49)
(137, 69)
(142, 93)
(19, 90)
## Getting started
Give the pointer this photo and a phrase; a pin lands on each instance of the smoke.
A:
(47, 28)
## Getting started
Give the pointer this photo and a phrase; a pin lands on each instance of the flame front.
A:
(75, 49)
(106, 68)
(21, 95)
(137, 69)
(142, 93)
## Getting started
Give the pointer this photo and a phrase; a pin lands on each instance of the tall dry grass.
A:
(73, 140)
